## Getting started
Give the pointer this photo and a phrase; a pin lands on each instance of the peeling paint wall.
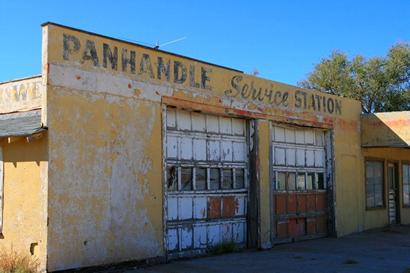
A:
(104, 103)
(105, 187)
(25, 198)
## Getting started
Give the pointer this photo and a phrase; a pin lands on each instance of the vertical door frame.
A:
(397, 197)
(253, 212)
(164, 180)
(1, 190)
(331, 187)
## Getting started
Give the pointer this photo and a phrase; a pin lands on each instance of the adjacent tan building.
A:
(119, 152)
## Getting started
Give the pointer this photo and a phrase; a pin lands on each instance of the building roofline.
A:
(381, 113)
(21, 79)
(140, 45)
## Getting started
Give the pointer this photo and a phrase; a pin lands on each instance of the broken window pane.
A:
(227, 181)
(310, 181)
(281, 181)
(301, 182)
(172, 178)
(239, 178)
(200, 179)
(320, 181)
(291, 183)
(214, 178)
(186, 179)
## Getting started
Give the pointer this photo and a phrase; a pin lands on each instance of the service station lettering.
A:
(302, 99)
(160, 68)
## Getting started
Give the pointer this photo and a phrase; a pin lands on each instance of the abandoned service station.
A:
(120, 152)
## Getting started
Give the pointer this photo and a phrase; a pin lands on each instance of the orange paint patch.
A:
(301, 202)
(280, 203)
(301, 226)
(398, 123)
(293, 228)
(311, 226)
(321, 201)
(348, 125)
(229, 206)
(291, 204)
(311, 202)
(282, 230)
(214, 207)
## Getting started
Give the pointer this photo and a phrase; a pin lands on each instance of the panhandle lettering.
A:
(129, 61)
(301, 99)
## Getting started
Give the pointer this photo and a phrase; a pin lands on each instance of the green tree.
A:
(381, 83)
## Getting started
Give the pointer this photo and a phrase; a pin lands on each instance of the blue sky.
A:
(283, 40)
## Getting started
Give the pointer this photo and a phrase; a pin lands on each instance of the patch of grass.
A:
(350, 261)
(298, 257)
(224, 248)
(15, 262)
(407, 270)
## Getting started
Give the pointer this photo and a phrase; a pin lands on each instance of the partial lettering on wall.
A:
(155, 65)
(20, 96)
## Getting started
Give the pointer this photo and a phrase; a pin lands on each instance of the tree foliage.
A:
(381, 83)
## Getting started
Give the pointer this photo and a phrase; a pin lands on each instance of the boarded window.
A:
(172, 178)
(374, 184)
(406, 185)
(186, 179)
(320, 181)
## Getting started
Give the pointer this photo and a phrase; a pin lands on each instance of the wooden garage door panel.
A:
(299, 186)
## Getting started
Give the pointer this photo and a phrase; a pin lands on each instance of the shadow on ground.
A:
(385, 250)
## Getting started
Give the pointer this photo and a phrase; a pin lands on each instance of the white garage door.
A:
(206, 182)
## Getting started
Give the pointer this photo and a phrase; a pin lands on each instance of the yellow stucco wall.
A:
(265, 183)
(379, 217)
(25, 197)
(386, 129)
(105, 189)
(105, 142)
(348, 177)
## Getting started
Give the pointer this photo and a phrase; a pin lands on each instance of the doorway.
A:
(393, 193)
